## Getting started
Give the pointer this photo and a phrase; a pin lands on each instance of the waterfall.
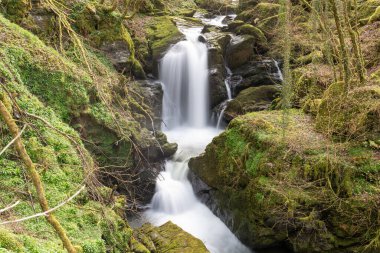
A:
(227, 82)
(184, 74)
(279, 73)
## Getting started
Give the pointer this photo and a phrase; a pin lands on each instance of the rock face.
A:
(240, 51)
(271, 188)
(168, 238)
(251, 100)
(118, 53)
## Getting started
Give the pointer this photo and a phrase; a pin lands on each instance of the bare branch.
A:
(12, 141)
(46, 212)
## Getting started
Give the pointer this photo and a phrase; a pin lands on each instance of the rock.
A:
(235, 24)
(251, 100)
(254, 173)
(217, 87)
(245, 4)
(160, 148)
(240, 50)
(169, 238)
(162, 33)
(202, 39)
(257, 73)
(118, 53)
(263, 15)
(261, 44)
(152, 93)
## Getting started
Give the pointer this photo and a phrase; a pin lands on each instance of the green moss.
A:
(264, 15)
(162, 32)
(8, 241)
(254, 31)
(15, 10)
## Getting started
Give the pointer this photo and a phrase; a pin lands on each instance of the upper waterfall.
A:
(184, 75)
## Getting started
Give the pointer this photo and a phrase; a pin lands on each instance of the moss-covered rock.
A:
(170, 238)
(264, 15)
(277, 180)
(251, 100)
(162, 33)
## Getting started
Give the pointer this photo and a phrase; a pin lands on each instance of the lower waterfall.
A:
(184, 74)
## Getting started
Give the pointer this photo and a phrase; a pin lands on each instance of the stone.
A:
(240, 51)
(170, 238)
(251, 100)
(256, 73)
(118, 53)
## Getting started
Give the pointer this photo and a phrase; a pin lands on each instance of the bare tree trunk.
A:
(32, 172)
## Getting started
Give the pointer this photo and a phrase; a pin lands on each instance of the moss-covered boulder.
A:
(162, 33)
(277, 180)
(169, 238)
(261, 40)
(264, 15)
(251, 100)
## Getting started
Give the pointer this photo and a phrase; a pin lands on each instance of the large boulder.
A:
(274, 181)
(240, 50)
(168, 238)
(251, 100)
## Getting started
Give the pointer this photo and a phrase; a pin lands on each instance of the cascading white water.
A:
(184, 72)
(279, 72)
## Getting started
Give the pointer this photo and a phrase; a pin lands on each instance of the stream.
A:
(183, 72)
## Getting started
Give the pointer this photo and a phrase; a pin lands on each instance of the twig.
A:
(46, 212)
(12, 141)
(10, 207)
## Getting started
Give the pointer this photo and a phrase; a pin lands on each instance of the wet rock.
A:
(240, 51)
(218, 92)
(152, 93)
(169, 238)
(257, 73)
(202, 39)
(251, 100)
(160, 148)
